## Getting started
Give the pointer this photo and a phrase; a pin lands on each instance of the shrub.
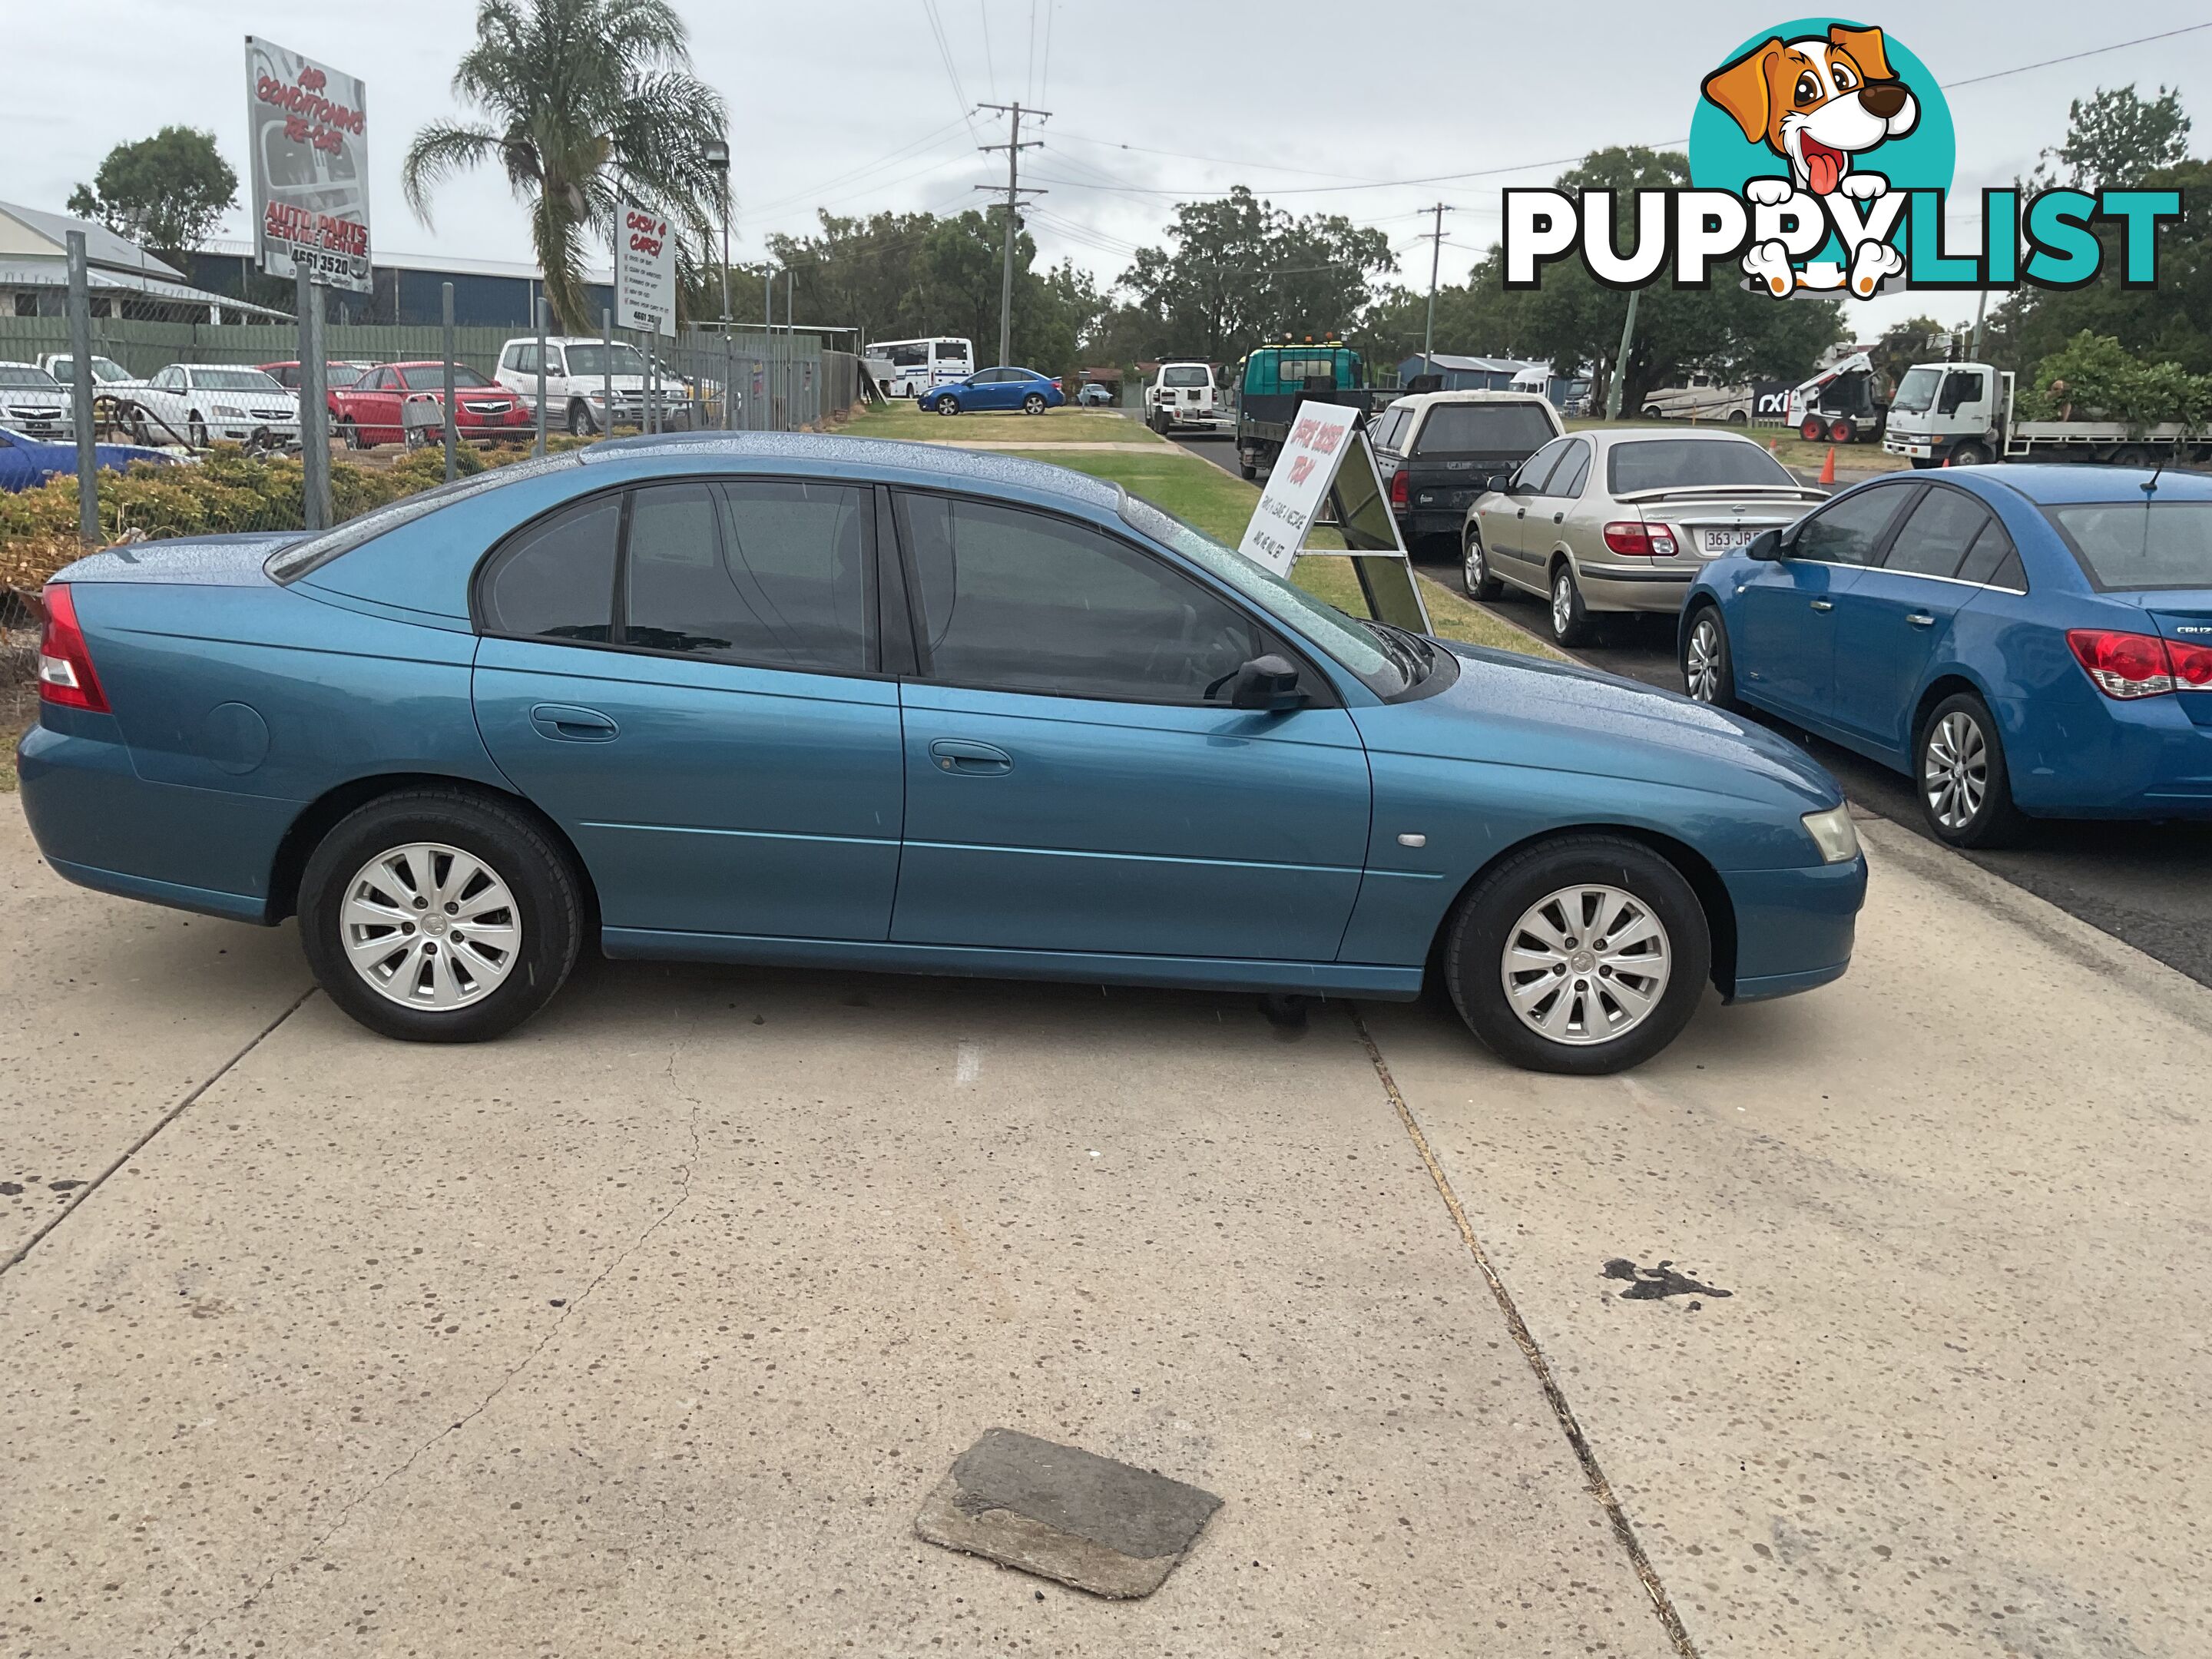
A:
(2099, 380)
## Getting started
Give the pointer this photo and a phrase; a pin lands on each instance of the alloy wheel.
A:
(1586, 964)
(1954, 769)
(1478, 569)
(1033, 405)
(1563, 603)
(946, 406)
(428, 925)
(1701, 660)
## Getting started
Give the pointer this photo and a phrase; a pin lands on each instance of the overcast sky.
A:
(852, 104)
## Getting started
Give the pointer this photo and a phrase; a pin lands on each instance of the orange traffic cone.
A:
(1774, 445)
(1828, 466)
(1947, 460)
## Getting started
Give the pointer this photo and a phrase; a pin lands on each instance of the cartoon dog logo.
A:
(1818, 102)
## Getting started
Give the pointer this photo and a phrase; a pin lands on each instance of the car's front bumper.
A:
(1794, 928)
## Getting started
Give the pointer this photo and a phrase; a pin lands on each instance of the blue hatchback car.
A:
(1000, 389)
(765, 698)
(2019, 640)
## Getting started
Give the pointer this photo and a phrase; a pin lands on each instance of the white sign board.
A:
(644, 271)
(1297, 486)
(307, 150)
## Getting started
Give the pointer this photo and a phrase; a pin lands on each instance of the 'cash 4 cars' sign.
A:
(1821, 154)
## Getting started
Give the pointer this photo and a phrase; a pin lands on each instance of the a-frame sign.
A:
(1325, 474)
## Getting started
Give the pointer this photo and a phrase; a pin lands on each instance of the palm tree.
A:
(583, 101)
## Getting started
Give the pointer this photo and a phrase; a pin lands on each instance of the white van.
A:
(920, 367)
(576, 374)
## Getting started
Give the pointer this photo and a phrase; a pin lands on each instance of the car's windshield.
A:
(12, 375)
(431, 377)
(2135, 545)
(1384, 670)
(234, 379)
(1187, 375)
(1515, 429)
(591, 361)
(1689, 463)
(1917, 391)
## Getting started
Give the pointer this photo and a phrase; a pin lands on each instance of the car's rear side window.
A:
(1020, 601)
(768, 573)
(555, 581)
(1934, 541)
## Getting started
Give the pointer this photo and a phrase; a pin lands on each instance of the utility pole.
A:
(1013, 146)
(1620, 361)
(1436, 259)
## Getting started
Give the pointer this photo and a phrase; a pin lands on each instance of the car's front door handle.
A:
(1824, 605)
(1522, 513)
(565, 722)
(960, 755)
(1556, 517)
(1921, 619)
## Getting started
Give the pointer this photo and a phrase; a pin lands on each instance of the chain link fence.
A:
(200, 427)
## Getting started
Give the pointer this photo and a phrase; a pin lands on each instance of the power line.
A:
(2076, 57)
(945, 55)
(990, 69)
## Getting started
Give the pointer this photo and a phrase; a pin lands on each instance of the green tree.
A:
(583, 102)
(1242, 269)
(164, 193)
(2117, 138)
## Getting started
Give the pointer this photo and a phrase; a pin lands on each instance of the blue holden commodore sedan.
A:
(2021, 641)
(782, 699)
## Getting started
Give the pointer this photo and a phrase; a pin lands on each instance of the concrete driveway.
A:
(649, 1330)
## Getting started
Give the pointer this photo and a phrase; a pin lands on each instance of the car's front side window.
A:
(1014, 600)
(1934, 540)
(1849, 531)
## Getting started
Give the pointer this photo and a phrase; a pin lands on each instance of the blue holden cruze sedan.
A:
(989, 389)
(785, 699)
(2021, 640)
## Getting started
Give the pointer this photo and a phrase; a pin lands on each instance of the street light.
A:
(717, 157)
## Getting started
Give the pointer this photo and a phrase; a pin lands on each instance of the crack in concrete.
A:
(346, 1515)
(1624, 1531)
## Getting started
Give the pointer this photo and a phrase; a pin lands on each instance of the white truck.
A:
(1183, 396)
(577, 378)
(107, 375)
(1962, 415)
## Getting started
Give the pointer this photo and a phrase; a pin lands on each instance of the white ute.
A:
(1183, 396)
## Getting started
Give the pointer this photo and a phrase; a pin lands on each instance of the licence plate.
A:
(1727, 541)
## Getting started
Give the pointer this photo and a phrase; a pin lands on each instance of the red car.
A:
(367, 412)
(337, 376)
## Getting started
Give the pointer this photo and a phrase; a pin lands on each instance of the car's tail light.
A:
(65, 676)
(1640, 540)
(2130, 665)
(1402, 490)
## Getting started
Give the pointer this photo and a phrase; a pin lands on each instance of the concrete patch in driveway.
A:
(1066, 1514)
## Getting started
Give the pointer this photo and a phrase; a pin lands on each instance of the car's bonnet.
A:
(1519, 711)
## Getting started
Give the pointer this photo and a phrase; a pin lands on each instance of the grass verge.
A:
(1205, 495)
(902, 419)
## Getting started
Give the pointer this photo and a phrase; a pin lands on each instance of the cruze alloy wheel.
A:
(1707, 673)
(1965, 791)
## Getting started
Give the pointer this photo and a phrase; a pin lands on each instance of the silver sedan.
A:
(1624, 520)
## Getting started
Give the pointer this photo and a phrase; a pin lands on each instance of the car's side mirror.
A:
(1269, 683)
(1765, 546)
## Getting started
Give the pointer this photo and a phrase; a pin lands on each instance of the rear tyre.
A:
(1585, 955)
(1475, 569)
(1034, 404)
(1708, 670)
(1653, 412)
(349, 431)
(1842, 432)
(436, 915)
(1965, 786)
(1246, 466)
(1571, 622)
(1738, 417)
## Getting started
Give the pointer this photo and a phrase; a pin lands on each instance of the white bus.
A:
(922, 366)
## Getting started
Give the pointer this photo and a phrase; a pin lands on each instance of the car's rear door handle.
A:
(972, 759)
(1921, 619)
(1824, 605)
(565, 722)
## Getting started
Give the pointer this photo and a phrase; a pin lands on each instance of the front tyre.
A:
(436, 915)
(1585, 955)
(1965, 786)
(1571, 622)
(1475, 569)
(948, 404)
(1708, 670)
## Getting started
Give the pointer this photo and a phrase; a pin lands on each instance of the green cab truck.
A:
(1274, 380)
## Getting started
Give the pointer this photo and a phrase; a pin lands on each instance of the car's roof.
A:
(1424, 399)
(1646, 435)
(16, 363)
(762, 450)
(2054, 485)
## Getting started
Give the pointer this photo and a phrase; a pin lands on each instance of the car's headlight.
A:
(1834, 833)
(598, 396)
(229, 411)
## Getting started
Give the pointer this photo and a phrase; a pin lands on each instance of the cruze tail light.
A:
(1640, 540)
(2126, 666)
(65, 676)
